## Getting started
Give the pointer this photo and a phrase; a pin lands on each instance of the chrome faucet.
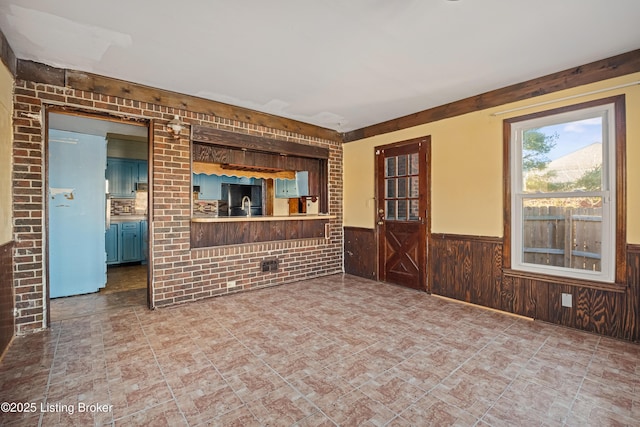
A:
(246, 201)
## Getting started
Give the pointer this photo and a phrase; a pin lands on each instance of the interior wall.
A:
(7, 299)
(6, 113)
(466, 175)
(179, 272)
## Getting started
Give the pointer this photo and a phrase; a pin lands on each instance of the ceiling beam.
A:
(615, 66)
(80, 80)
(6, 54)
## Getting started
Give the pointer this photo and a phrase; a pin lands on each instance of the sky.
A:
(573, 136)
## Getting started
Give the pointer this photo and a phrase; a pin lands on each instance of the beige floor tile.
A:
(338, 350)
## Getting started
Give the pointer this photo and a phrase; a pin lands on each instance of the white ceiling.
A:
(339, 64)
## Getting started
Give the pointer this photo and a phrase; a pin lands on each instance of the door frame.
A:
(424, 150)
(94, 115)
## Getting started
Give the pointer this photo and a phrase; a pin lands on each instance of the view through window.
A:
(563, 194)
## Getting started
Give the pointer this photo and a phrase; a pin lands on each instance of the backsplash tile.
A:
(123, 207)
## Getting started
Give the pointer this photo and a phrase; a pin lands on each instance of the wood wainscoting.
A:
(469, 268)
(360, 252)
(208, 234)
(7, 300)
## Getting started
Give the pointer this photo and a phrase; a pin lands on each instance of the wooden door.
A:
(402, 182)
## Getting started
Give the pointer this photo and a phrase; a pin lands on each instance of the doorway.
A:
(97, 216)
(403, 203)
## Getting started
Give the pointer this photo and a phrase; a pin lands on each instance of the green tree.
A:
(591, 180)
(535, 146)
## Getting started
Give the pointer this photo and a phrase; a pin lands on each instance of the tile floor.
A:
(126, 287)
(337, 350)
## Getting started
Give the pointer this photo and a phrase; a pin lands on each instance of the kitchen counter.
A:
(293, 217)
(127, 218)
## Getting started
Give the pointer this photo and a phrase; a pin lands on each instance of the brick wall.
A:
(179, 274)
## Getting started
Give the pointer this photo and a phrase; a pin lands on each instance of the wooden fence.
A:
(547, 242)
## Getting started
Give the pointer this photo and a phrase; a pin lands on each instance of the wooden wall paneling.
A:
(496, 275)
(506, 294)
(7, 299)
(258, 232)
(208, 234)
(469, 269)
(242, 141)
(537, 301)
(558, 314)
(482, 275)
(518, 288)
(265, 159)
(630, 322)
(433, 254)
(598, 311)
(466, 264)
(278, 231)
(457, 285)
(439, 256)
(312, 228)
(292, 229)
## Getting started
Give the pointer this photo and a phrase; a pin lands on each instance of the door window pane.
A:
(390, 167)
(402, 210)
(391, 210)
(391, 187)
(402, 187)
(414, 187)
(414, 167)
(414, 212)
(402, 165)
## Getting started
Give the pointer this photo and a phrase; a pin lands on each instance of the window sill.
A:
(559, 280)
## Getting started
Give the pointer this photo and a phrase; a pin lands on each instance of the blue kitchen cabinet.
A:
(112, 241)
(144, 242)
(209, 186)
(123, 174)
(126, 242)
(143, 171)
(130, 241)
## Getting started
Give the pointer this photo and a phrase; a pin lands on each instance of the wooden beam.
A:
(6, 54)
(208, 135)
(39, 73)
(615, 66)
(114, 87)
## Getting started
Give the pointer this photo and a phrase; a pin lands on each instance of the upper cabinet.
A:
(292, 188)
(123, 174)
(143, 171)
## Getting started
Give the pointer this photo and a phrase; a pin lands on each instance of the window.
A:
(402, 185)
(563, 191)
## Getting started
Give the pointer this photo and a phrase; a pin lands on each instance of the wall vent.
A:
(267, 265)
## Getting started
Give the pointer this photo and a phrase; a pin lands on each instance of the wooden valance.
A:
(208, 135)
(241, 170)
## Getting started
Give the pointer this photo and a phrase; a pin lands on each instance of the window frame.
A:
(617, 149)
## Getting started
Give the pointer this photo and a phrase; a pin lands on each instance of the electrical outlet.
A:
(567, 300)
(231, 284)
